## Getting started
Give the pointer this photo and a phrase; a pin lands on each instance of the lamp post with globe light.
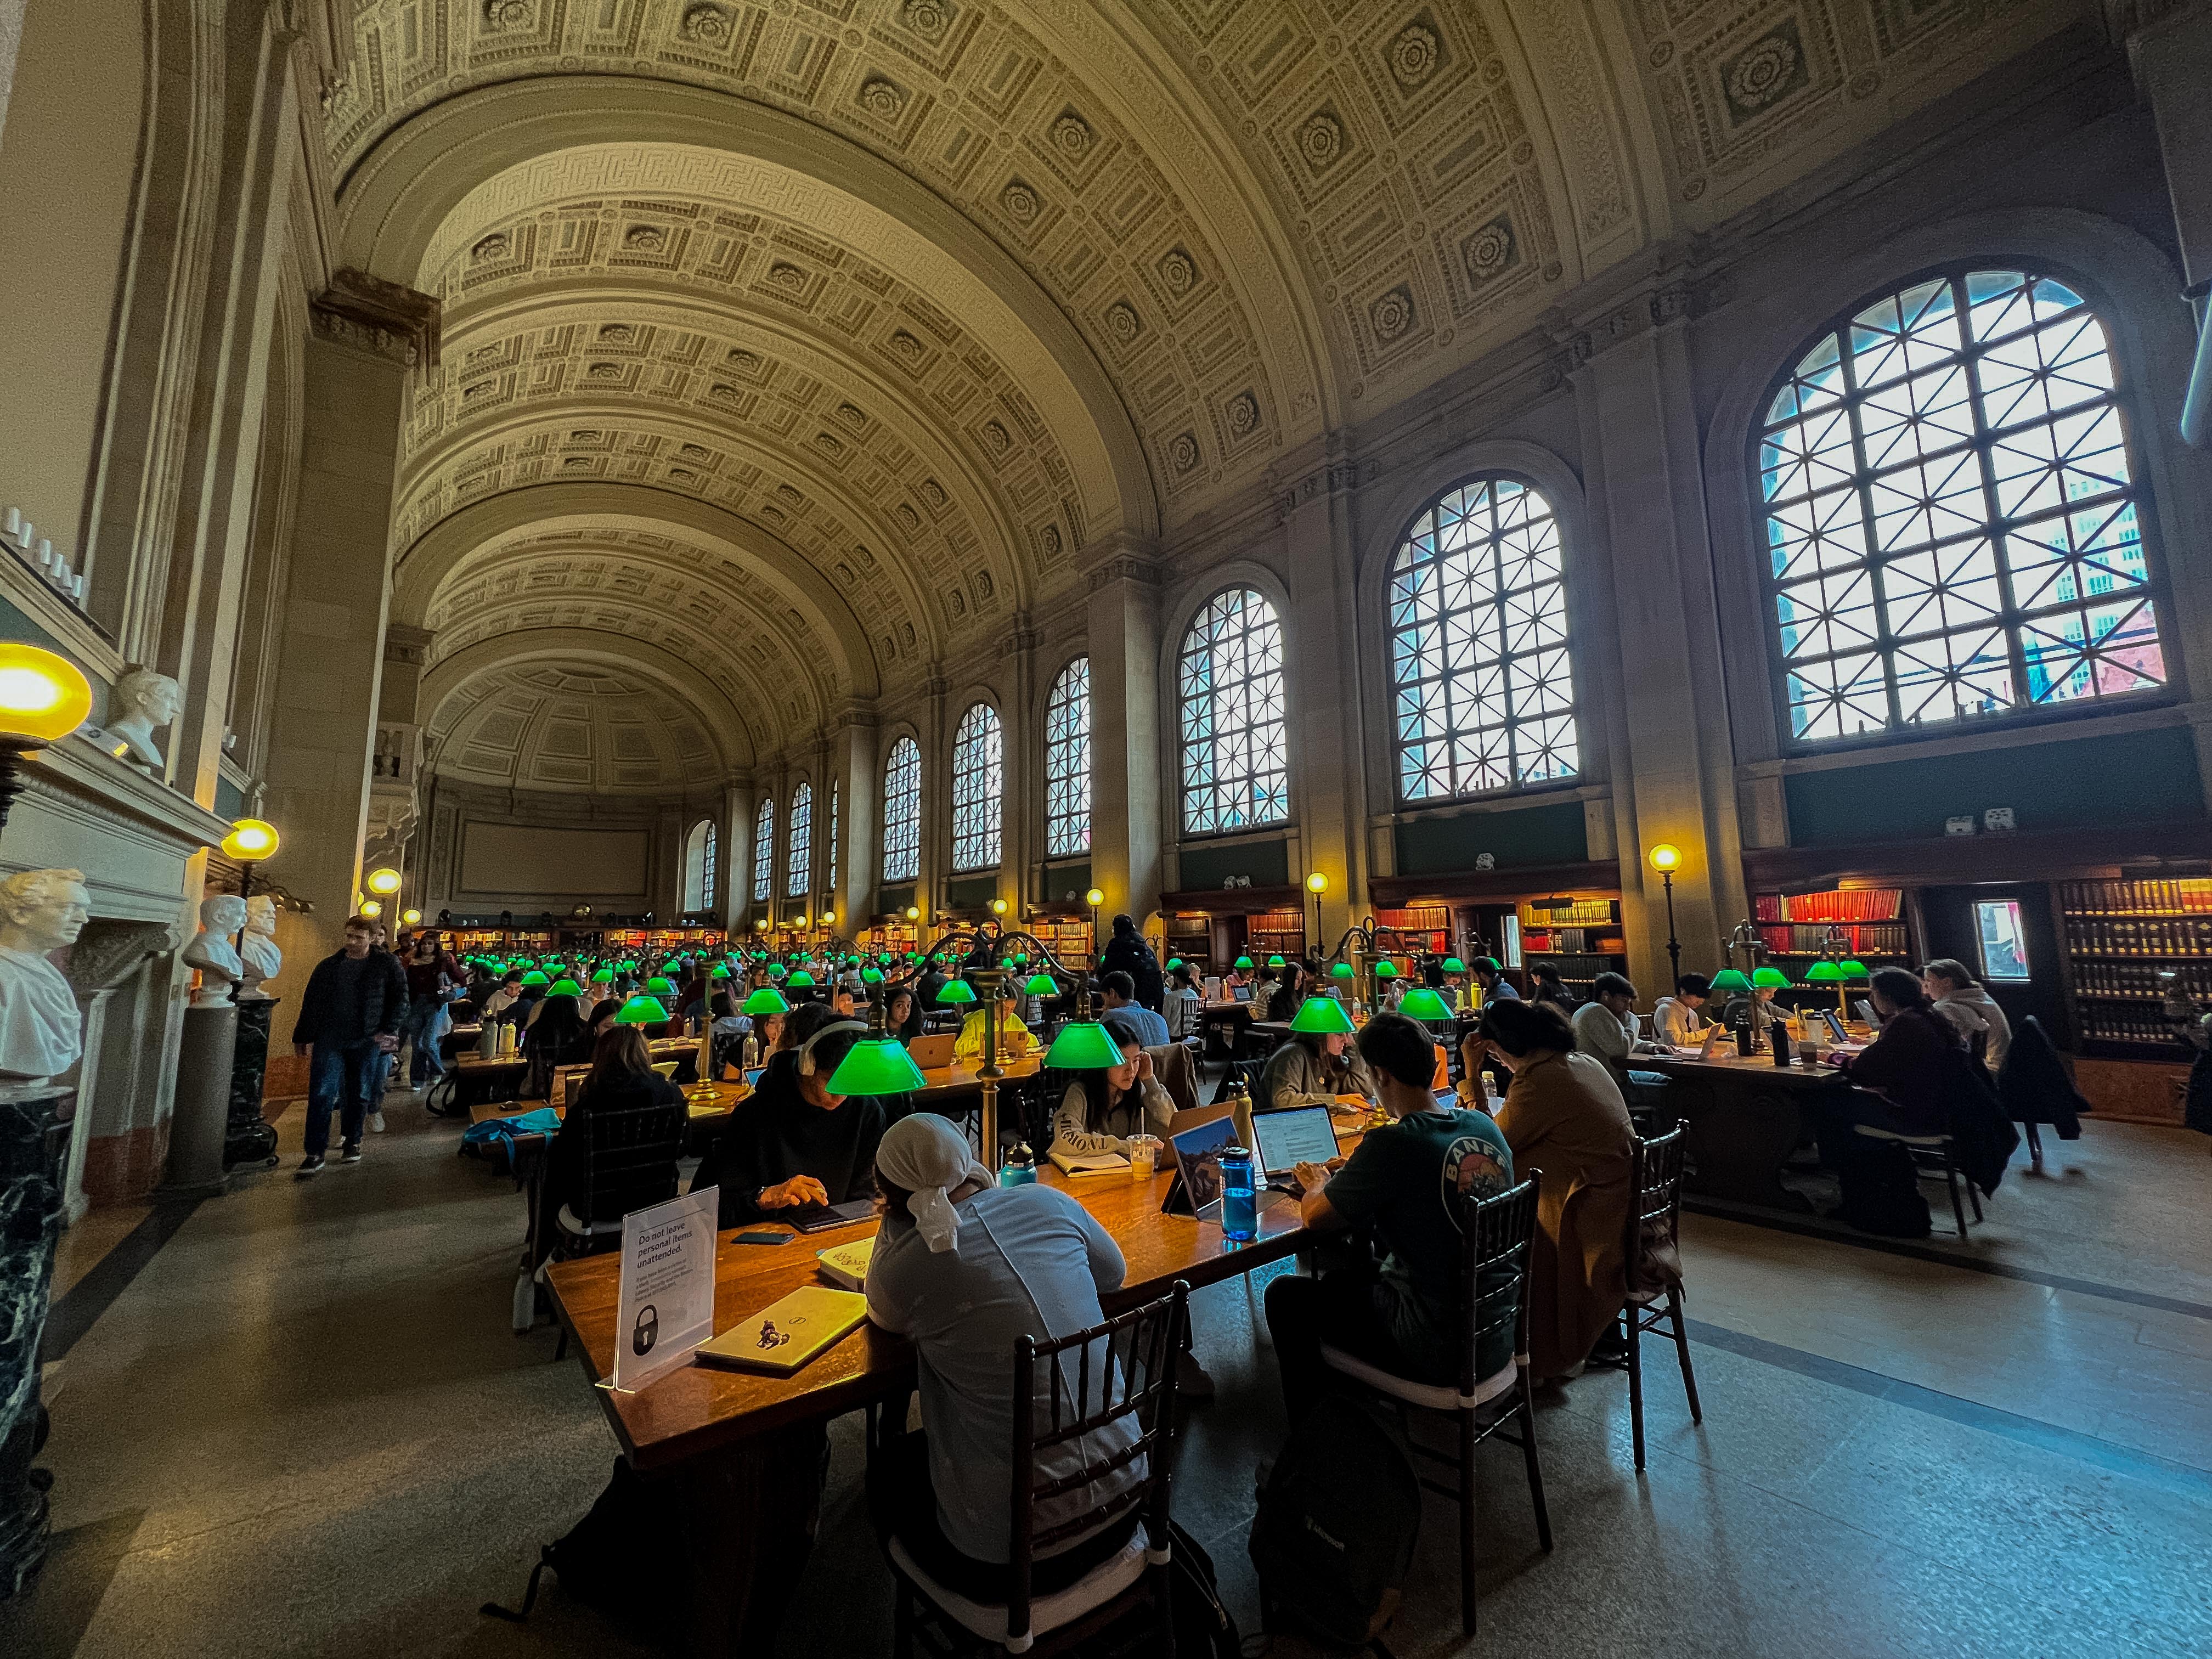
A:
(1666, 858)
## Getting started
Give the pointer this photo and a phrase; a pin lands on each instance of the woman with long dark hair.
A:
(1101, 1108)
(557, 1038)
(903, 1013)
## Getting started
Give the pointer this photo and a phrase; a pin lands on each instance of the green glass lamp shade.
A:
(1041, 985)
(1454, 965)
(658, 986)
(643, 1011)
(800, 980)
(604, 976)
(872, 976)
(766, 1000)
(877, 1066)
(1318, 1016)
(777, 970)
(957, 991)
(565, 988)
(1386, 969)
(1770, 978)
(1424, 1004)
(1339, 970)
(1244, 964)
(720, 972)
(1174, 963)
(1824, 972)
(1084, 1045)
(1730, 979)
(1275, 962)
(533, 977)
(1855, 970)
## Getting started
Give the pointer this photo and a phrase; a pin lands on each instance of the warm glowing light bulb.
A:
(1095, 897)
(829, 918)
(383, 881)
(410, 917)
(1665, 857)
(42, 696)
(1000, 905)
(801, 922)
(371, 909)
(913, 913)
(250, 841)
(1317, 883)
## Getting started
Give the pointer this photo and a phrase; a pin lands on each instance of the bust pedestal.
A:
(250, 1140)
(35, 1121)
(201, 1123)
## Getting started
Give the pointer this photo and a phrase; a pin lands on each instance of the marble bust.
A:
(148, 701)
(41, 1032)
(212, 952)
(259, 954)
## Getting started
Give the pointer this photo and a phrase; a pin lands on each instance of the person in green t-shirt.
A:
(1409, 1185)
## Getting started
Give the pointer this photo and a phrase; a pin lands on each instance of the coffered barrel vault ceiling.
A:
(896, 306)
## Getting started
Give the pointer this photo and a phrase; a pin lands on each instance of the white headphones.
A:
(807, 1048)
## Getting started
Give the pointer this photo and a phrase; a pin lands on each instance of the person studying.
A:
(792, 1147)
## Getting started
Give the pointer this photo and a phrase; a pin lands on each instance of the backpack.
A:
(1336, 1526)
(617, 1560)
(1203, 1627)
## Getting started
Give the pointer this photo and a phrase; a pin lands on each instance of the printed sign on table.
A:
(666, 1307)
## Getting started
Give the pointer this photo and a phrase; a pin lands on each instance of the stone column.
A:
(857, 756)
(1127, 740)
(1022, 757)
(1672, 765)
(366, 333)
(1321, 637)
(35, 1123)
(734, 901)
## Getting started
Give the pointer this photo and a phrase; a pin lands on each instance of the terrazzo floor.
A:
(302, 1426)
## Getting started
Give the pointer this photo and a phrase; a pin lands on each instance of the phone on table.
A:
(766, 1238)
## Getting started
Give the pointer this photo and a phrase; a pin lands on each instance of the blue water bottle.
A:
(1240, 1214)
(1019, 1169)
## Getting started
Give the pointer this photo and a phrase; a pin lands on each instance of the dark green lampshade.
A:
(643, 1011)
(872, 976)
(565, 988)
(766, 1000)
(1174, 963)
(1730, 979)
(719, 972)
(877, 1066)
(1275, 962)
(1454, 965)
(1824, 972)
(604, 976)
(1084, 1045)
(1041, 985)
(1772, 979)
(1424, 1004)
(1318, 1016)
(1386, 969)
(533, 977)
(1339, 970)
(1855, 970)
(777, 970)
(658, 986)
(800, 980)
(957, 991)
(1243, 964)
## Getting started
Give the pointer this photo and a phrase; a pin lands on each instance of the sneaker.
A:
(350, 1152)
(310, 1167)
(376, 1121)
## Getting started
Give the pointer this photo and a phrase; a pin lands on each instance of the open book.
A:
(1077, 1163)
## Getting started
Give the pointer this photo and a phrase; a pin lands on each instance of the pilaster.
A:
(1126, 760)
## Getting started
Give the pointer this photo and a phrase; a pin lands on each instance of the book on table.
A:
(783, 1337)
(1076, 1163)
(847, 1265)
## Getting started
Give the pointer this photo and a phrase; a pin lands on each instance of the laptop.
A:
(933, 1052)
(1282, 1140)
(1244, 994)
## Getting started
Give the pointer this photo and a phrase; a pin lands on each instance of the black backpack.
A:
(616, 1559)
(1336, 1526)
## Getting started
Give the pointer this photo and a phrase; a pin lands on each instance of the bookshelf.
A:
(1582, 939)
(2120, 936)
(1793, 925)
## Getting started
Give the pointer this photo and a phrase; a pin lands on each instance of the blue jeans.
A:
(425, 1067)
(339, 1074)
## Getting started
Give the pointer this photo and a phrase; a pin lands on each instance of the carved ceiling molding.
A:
(550, 726)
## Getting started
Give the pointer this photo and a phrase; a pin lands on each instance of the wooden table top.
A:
(700, 1408)
(726, 1095)
(1745, 1067)
(943, 1082)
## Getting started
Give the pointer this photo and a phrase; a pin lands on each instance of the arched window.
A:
(700, 860)
(836, 802)
(1234, 771)
(798, 873)
(902, 811)
(1067, 761)
(1950, 512)
(764, 853)
(1483, 695)
(978, 787)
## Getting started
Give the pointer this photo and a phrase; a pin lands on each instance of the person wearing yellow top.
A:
(1015, 1041)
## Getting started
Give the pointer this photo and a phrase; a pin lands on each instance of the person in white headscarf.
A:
(965, 1268)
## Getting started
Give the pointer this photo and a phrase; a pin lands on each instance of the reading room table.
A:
(1746, 1117)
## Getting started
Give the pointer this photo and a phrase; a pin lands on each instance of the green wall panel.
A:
(1205, 868)
(971, 892)
(1066, 883)
(1552, 834)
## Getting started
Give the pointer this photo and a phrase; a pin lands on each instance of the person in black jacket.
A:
(792, 1147)
(349, 1017)
(1127, 952)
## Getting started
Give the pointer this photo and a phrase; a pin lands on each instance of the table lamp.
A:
(1423, 1004)
(565, 988)
(766, 1000)
(1041, 985)
(1731, 980)
(643, 1011)
(800, 980)
(1243, 964)
(958, 992)
(1320, 1016)
(535, 977)
(1084, 1045)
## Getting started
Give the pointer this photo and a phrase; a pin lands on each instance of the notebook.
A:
(933, 1053)
(847, 1265)
(1075, 1163)
(783, 1337)
(1287, 1139)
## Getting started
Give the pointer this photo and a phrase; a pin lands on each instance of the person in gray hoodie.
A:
(1961, 999)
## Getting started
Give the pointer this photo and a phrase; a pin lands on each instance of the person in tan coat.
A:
(1564, 1115)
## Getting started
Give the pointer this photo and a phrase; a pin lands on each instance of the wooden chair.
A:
(1078, 1394)
(628, 1163)
(1496, 1238)
(1655, 1224)
(1933, 1155)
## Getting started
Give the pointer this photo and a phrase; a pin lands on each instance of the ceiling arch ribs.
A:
(784, 590)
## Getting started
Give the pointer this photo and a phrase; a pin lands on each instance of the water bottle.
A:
(1019, 1169)
(1240, 1213)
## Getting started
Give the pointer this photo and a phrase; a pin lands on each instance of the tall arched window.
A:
(764, 853)
(902, 811)
(978, 789)
(836, 803)
(1235, 773)
(799, 871)
(1483, 695)
(1067, 761)
(700, 860)
(1950, 512)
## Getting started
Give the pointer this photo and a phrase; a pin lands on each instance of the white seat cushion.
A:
(1873, 1134)
(1431, 1396)
(568, 1223)
(1046, 1613)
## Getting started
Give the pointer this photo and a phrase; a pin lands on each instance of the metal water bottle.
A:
(1240, 1210)
(1019, 1169)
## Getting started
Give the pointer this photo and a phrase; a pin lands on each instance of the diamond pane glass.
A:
(1951, 521)
(710, 879)
(1484, 687)
(902, 811)
(764, 853)
(799, 871)
(835, 869)
(1067, 761)
(978, 789)
(1235, 773)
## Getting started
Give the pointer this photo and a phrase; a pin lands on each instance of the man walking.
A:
(350, 1018)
